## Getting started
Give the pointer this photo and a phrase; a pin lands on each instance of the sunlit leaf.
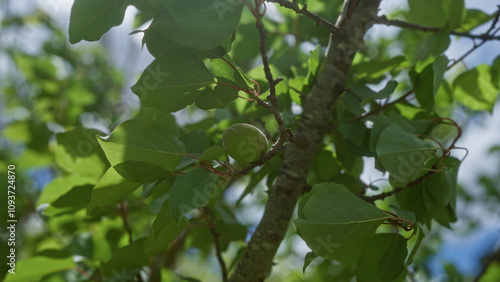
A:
(111, 188)
(90, 19)
(36, 267)
(142, 151)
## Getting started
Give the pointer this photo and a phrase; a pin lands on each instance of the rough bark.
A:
(357, 18)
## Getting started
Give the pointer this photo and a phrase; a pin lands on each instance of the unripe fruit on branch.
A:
(244, 143)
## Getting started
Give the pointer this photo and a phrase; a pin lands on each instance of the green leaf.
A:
(111, 188)
(402, 154)
(224, 67)
(475, 89)
(439, 42)
(440, 186)
(202, 238)
(442, 214)
(382, 258)
(383, 121)
(418, 242)
(413, 199)
(388, 89)
(426, 12)
(354, 131)
(82, 245)
(75, 199)
(214, 153)
(165, 230)
(439, 68)
(474, 18)
(405, 214)
(310, 256)
(373, 69)
(216, 98)
(423, 86)
(171, 81)
(325, 166)
(492, 273)
(62, 185)
(142, 151)
(334, 222)
(157, 43)
(313, 64)
(78, 151)
(206, 27)
(196, 142)
(440, 192)
(36, 267)
(455, 11)
(90, 19)
(190, 191)
(130, 257)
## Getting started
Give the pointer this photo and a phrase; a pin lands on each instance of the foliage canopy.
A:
(129, 198)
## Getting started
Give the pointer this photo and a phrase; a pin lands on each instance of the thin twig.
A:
(215, 235)
(123, 207)
(285, 134)
(385, 21)
(273, 99)
(317, 19)
(371, 199)
(490, 35)
(476, 46)
(381, 108)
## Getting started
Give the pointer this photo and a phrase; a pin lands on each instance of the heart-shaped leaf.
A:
(90, 19)
(402, 154)
(171, 81)
(143, 151)
(334, 222)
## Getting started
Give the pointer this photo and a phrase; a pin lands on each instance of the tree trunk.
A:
(357, 17)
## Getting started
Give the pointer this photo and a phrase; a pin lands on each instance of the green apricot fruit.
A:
(244, 143)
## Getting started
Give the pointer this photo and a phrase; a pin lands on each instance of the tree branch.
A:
(273, 99)
(297, 160)
(382, 107)
(285, 134)
(317, 19)
(385, 21)
(489, 260)
(381, 196)
(489, 35)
